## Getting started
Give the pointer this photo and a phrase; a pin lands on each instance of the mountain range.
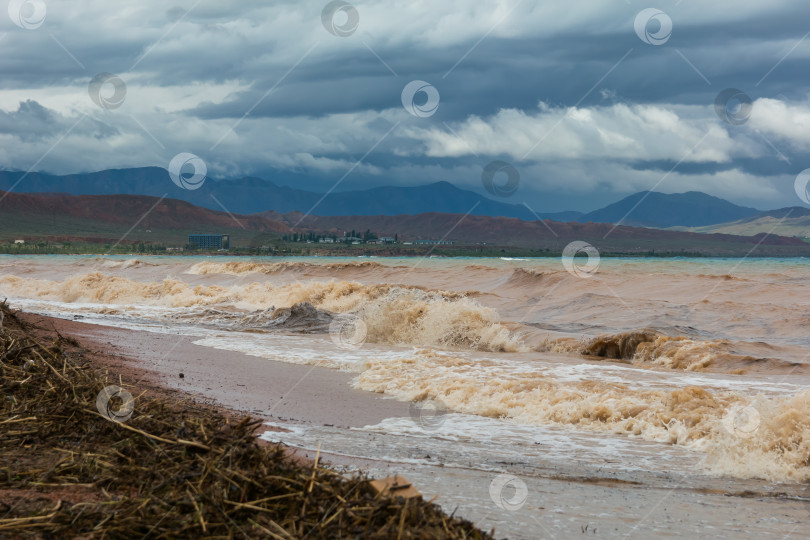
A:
(249, 195)
(252, 195)
(792, 221)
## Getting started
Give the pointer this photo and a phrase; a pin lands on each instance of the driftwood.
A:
(172, 470)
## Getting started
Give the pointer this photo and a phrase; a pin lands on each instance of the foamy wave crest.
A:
(393, 314)
(302, 317)
(127, 263)
(777, 448)
(413, 316)
(649, 347)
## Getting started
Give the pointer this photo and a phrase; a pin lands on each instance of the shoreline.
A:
(179, 435)
(293, 389)
(128, 354)
(287, 392)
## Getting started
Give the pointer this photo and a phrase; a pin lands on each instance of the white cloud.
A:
(617, 132)
(783, 121)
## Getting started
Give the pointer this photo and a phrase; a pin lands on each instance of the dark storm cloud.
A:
(517, 73)
(199, 78)
(32, 122)
(764, 167)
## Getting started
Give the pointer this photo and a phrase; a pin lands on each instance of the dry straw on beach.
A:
(172, 470)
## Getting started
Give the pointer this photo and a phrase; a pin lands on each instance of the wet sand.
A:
(317, 405)
(236, 381)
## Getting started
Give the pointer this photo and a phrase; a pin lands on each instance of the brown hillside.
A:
(516, 232)
(129, 209)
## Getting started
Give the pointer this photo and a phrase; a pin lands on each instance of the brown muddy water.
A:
(645, 396)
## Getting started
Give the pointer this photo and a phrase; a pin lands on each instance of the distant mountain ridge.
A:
(790, 221)
(251, 195)
(787, 212)
(661, 210)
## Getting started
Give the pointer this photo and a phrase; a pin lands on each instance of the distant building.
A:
(387, 240)
(435, 242)
(326, 241)
(210, 241)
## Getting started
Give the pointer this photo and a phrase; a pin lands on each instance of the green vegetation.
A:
(278, 247)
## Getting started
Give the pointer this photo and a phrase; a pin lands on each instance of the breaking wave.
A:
(125, 264)
(650, 347)
(530, 277)
(393, 314)
(776, 446)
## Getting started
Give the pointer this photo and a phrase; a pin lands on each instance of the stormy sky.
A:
(589, 100)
